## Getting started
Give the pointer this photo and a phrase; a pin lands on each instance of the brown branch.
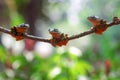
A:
(81, 34)
(4, 30)
(115, 21)
(37, 38)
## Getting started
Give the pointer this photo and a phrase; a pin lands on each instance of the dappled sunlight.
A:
(16, 64)
(11, 44)
(10, 73)
(7, 40)
(82, 77)
(75, 51)
(43, 49)
(54, 72)
(29, 55)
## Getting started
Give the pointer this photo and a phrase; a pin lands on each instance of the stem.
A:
(115, 21)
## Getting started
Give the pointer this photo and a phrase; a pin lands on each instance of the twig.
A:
(4, 30)
(115, 21)
(81, 34)
(36, 38)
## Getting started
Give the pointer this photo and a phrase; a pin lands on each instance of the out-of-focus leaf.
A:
(2, 76)
(106, 47)
(16, 19)
(3, 52)
(81, 67)
(36, 76)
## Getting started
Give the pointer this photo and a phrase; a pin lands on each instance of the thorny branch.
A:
(63, 39)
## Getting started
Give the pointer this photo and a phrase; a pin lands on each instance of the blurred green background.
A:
(93, 57)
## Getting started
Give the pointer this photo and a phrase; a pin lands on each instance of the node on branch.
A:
(58, 38)
(19, 31)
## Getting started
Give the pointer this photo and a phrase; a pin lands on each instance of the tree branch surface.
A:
(60, 39)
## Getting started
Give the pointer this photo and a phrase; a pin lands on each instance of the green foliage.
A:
(2, 54)
(41, 69)
(16, 19)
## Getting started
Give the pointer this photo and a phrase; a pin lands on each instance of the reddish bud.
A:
(8, 64)
(29, 44)
(107, 67)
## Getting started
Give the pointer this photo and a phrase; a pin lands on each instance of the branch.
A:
(59, 39)
(7, 31)
(115, 21)
(37, 38)
(81, 34)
